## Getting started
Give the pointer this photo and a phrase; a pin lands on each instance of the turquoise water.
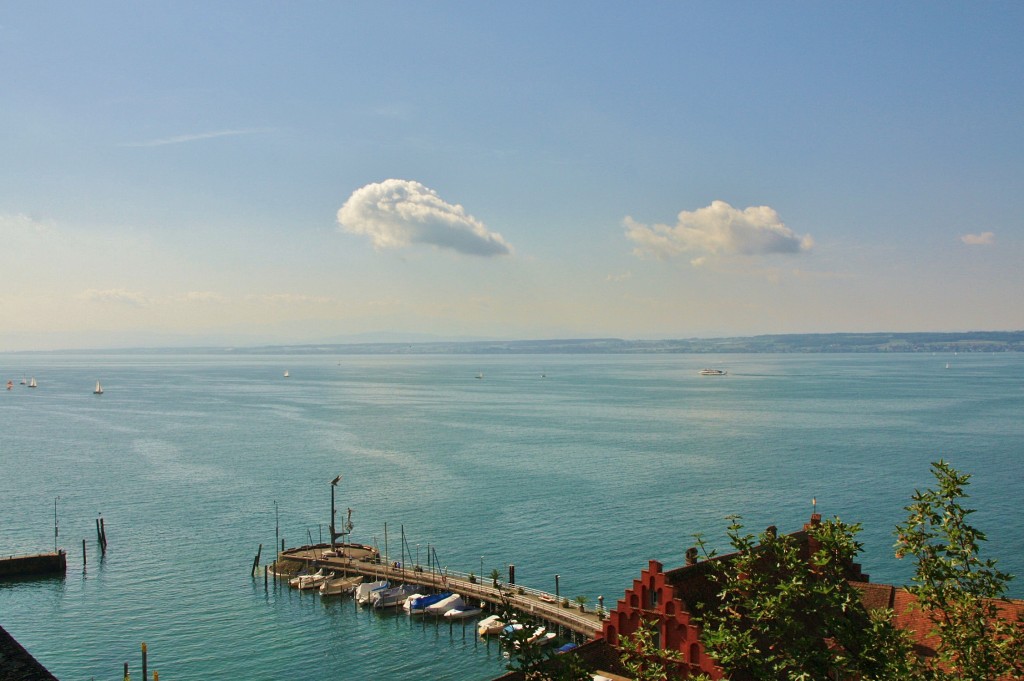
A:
(584, 466)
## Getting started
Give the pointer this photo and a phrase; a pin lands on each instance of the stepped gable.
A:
(16, 664)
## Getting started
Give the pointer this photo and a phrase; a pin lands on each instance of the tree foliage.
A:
(778, 614)
(956, 588)
(644, 660)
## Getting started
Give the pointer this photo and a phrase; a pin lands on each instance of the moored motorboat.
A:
(444, 605)
(417, 603)
(465, 612)
(313, 581)
(391, 597)
(365, 590)
(713, 372)
(340, 585)
(489, 626)
(541, 636)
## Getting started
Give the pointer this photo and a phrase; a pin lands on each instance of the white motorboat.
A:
(713, 372)
(541, 636)
(364, 590)
(462, 613)
(444, 605)
(390, 598)
(489, 626)
(417, 603)
(339, 585)
(308, 581)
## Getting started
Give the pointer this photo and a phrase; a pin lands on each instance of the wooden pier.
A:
(35, 564)
(363, 560)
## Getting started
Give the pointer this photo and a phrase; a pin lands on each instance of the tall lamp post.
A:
(334, 483)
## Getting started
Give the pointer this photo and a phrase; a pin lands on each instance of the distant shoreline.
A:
(919, 342)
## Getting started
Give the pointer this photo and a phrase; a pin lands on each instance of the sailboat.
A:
(286, 374)
(32, 383)
(98, 390)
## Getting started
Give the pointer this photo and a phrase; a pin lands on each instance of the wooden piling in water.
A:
(256, 561)
(145, 674)
(83, 553)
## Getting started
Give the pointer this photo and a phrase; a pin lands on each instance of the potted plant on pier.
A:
(472, 578)
(582, 601)
(565, 602)
(494, 577)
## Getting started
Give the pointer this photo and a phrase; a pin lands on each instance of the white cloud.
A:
(983, 239)
(289, 299)
(200, 297)
(399, 213)
(117, 296)
(194, 137)
(718, 229)
(19, 224)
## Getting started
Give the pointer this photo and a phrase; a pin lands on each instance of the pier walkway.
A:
(539, 604)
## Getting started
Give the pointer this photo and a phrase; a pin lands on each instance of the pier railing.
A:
(537, 603)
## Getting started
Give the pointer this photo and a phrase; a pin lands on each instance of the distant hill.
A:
(974, 341)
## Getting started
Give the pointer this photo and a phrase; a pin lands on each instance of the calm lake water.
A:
(582, 466)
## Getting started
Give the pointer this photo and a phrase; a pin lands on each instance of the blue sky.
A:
(246, 172)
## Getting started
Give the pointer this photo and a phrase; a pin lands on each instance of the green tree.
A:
(956, 589)
(643, 659)
(778, 615)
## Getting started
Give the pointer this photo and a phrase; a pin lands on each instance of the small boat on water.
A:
(10, 384)
(286, 374)
(309, 581)
(98, 390)
(340, 585)
(465, 612)
(417, 604)
(32, 383)
(393, 597)
(444, 605)
(541, 636)
(713, 372)
(366, 589)
(489, 626)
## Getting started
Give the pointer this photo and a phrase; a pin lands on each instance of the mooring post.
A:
(266, 577)
(103, 533)
(144, 672)
(126, 676)
(83, 553)
(99, 535)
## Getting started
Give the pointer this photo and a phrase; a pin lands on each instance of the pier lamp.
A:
(481, 569)
(334, 483)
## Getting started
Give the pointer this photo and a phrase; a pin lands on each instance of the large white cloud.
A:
(718, 229)
(398, 213)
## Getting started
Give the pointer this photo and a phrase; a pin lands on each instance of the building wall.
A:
(652, 598)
